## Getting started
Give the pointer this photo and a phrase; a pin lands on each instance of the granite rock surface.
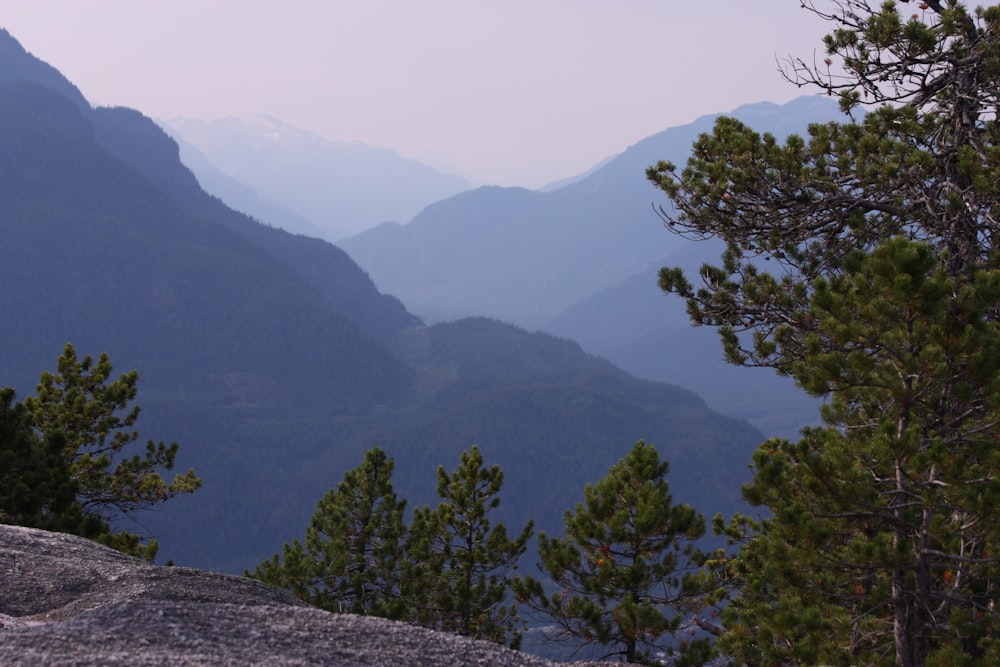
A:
(65, 600)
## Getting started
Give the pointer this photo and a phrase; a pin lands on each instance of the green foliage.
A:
(621, 570)
(862, 261)
(461, 565)
(89, 415)
(891, 512)
(37, 488)
(350, 561)
(81, 402)
(35, 484)
(91, 411)
(450, 570)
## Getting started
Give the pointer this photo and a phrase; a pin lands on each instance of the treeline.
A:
(862, 260)
(69, 463)
(619, 581)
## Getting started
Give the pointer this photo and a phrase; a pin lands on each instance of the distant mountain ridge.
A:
(273, 359)
(339, 187)
(492, 252)
(241, 197)
(75, 207)
(581, 262)
(576, 178)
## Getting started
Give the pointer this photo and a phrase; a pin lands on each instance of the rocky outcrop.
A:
(65, 600)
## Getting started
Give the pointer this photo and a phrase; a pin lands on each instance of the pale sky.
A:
(510, 92)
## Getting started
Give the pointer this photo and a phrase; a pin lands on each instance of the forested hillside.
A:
(581, 262)
(273, 360)
(858, 258)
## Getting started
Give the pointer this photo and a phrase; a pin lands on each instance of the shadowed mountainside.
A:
(581, 262)
(524, 256)
(274, 361)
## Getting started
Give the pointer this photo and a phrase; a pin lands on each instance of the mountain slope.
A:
(104, 247)
(273, 360)
(146, 148)
(241, 197)
(525, 257)
(581, 262)
(19, 65)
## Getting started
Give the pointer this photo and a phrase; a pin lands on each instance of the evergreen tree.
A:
(36, 488)
(879, 547)
(460, 566)
(91, 412)
(861, 261)
(61, 461)
(350, 561)
(620, 571)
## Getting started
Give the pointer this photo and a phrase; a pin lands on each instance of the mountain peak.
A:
(20, 65)
(807, 105)
(340, 187)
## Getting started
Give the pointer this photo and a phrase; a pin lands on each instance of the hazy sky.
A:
(513, 92)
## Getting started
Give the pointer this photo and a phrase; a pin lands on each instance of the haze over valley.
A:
(274, 359)
(291, 302)
(515, 333)
(577, 259)
(326, 189)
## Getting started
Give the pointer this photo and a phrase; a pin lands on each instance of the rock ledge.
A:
(65, 600)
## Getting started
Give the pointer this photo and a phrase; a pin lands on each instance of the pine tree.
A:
(619, 571)
(62, 460)
(91, 412)
(36, 488)
(461, 566)
(350, 561)
(862, 262)
(879, 548)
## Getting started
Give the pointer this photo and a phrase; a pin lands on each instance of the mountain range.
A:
(338, 188)
(274, 360)
(526, 256)
(580, 261)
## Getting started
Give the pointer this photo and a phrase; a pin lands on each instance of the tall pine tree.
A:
(619, 571)
(350, 561)
(879, 550)
(861, 261)
(461, 564)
